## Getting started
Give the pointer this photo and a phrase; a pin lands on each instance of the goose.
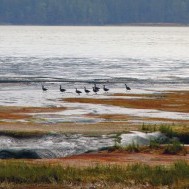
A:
(43, 88)
(127, 88)
(77, 91)
(95, 90)
(105, 89)
(86, 90)
(61, 89)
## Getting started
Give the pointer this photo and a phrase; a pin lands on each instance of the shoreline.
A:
(108, 25)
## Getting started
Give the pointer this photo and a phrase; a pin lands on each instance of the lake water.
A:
(144, 57)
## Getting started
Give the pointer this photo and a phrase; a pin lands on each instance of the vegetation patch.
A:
(174, 148)
(21, 173)
(181, 132)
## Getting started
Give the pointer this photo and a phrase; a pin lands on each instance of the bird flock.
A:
(95, 89)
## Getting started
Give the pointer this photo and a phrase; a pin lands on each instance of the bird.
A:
(95, 90)
(105, 89)
(86, 90)
(77, 91)
(127, 88)
(61, 89)
(43, 88)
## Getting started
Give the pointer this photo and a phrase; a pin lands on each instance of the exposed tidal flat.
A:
(71, 128)
(67, 138)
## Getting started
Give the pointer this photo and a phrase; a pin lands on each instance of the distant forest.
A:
(93, 12)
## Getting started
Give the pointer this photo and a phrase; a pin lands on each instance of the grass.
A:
(21, 173)
(134, 147)
(179, 131)
(148, 128)
(175, 147)
(154, 144)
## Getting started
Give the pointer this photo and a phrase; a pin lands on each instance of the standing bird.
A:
(77, 91)
(61, 89)
(86, 90)
(43, 88)
(95, 90)
(127, 88)
(105, 89)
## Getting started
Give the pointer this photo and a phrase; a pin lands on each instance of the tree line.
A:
(93, 12)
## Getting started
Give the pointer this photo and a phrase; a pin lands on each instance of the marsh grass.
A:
(134, 147)
(175, 147)
(148, 128)
(22, 173)
(171, 131)
(154, 144)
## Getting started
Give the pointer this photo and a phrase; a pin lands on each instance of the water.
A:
(144, 57)
(51, 146)
(56, 146)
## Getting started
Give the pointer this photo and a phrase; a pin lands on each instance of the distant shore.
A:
(108, 25)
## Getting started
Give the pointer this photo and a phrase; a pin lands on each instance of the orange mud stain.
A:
(174, 102)
(122, 158)
(22, 112)
(111, 158)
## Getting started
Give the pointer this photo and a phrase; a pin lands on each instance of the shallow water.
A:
(146, 58)
(140, 56)
(56, 146)
(53, 146)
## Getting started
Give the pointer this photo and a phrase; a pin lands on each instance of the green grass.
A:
(134, 147)
(170, 130)
(175, 147)
(22, 173)
(148, 128)
(154, 144)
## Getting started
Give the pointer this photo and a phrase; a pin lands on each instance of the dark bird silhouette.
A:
(61, 89)
(86, 90)
(105, 89)
(95, 90)
(43, 88)
(77, 91)
(127, 88)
